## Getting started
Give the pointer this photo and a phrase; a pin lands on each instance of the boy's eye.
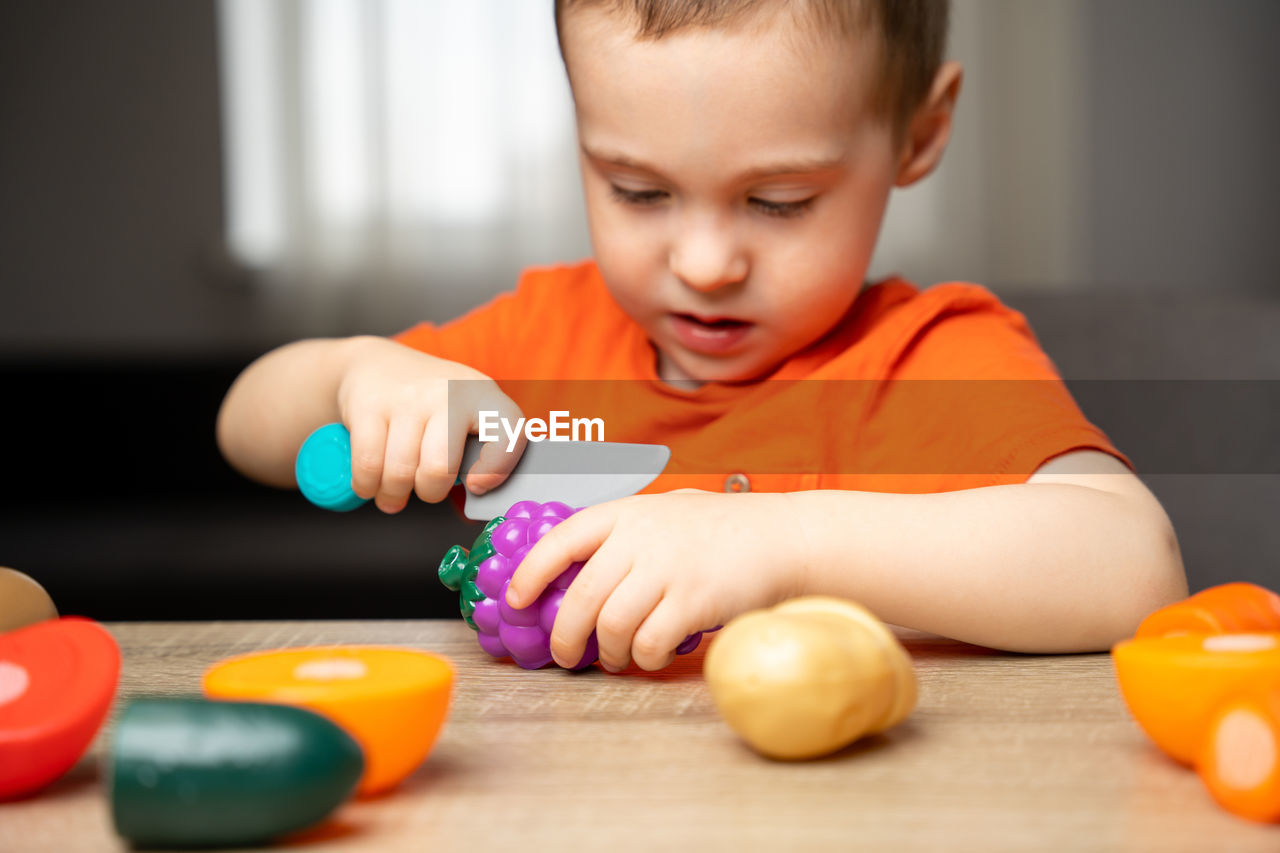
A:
(783, 209)
(637, 197)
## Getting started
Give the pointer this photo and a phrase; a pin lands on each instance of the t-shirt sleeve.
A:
(977, 395)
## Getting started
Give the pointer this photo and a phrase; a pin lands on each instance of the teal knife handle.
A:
(323, 469)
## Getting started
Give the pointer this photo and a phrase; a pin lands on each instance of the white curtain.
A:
(418, 153)
(395, 160)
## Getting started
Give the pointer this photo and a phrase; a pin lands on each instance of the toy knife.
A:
(578, 473)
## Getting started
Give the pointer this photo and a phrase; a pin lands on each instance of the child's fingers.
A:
(580, 610)
(495, 462)
(439, 460)
(580, 607)
(631, 601)
(400, 464)
(655, 642)
(368, 447)
(573, 540)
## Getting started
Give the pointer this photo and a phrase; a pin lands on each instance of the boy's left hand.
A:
(661, 567)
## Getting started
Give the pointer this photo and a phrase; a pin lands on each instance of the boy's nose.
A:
(707, 258)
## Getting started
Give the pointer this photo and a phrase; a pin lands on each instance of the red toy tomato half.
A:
(57, 679)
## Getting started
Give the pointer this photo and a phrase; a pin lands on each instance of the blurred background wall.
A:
(1112, 174)
(1116, 143)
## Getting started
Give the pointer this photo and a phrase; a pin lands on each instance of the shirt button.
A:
(737, 482)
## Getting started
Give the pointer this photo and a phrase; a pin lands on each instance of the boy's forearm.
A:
(1033, 567)
(276, 402)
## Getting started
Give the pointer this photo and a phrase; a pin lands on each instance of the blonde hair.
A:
(913, 34)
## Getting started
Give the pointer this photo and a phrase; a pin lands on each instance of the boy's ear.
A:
(930, 128)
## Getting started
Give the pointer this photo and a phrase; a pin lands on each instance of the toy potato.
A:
(23, 602)
(809, 676)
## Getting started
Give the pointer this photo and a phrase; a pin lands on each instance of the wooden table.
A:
(1004, 752)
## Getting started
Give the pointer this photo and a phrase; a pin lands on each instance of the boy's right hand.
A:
(395, 401)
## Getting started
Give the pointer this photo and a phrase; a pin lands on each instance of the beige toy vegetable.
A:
(809, 676)
(22, 601)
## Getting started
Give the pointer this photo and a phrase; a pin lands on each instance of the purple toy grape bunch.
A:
(482, 575)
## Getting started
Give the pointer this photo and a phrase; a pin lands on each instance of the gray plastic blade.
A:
(578, 473)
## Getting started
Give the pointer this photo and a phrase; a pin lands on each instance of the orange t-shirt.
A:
(912, 391)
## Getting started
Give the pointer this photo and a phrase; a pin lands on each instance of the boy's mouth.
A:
(709, 334)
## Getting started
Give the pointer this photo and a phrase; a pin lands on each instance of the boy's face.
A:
(735, 182)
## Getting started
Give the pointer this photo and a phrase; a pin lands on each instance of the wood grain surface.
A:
(1004, 752)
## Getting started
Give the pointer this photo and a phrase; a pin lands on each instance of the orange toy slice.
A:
(57, 679)
(1240, 762)
(393, 701)
(1174, 685)
(1232, 608)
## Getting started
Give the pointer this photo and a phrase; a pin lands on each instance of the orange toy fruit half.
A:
(393, 701)
(1175, 685)
(1232, 608)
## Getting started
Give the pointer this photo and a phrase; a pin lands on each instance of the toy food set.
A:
(286, 736)
(301, 731)
(1202, 678)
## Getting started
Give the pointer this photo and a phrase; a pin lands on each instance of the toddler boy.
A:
(737, 159)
